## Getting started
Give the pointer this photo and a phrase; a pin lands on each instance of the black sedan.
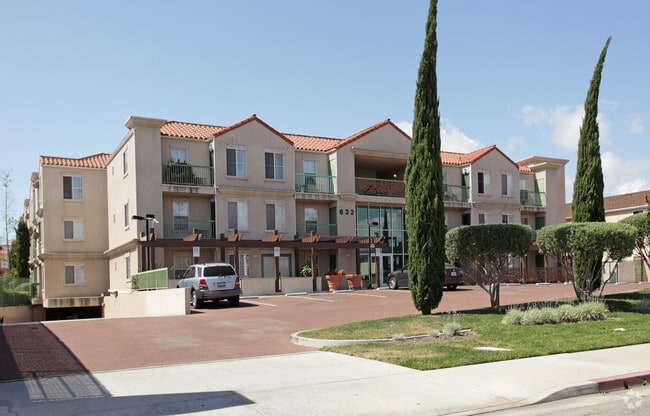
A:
(453, 278)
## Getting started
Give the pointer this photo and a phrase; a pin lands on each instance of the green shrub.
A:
(643, 306)
(452, 328)
(513, 317)
(588, 311)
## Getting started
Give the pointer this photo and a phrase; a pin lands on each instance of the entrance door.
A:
(385, 267)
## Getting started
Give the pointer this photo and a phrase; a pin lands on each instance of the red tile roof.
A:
(189, 130)
(369, 130)
(630, 201)
(313, 143)
(97, 161)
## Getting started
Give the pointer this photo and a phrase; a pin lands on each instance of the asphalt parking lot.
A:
(259, 326)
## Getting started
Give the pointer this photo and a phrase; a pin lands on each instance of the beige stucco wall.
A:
(129, 304)
(58, 252)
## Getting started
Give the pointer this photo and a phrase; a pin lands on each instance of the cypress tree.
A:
(588, 202)
(425, 220)
(20, 250)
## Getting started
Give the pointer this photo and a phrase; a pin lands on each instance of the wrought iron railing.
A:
(312, 183)
(455, 193)
(179, 227)
(532, 198)
(305, 228)
(183, 174)
(380, 187)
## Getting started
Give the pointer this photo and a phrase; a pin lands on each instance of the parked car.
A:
(211, 281)
(454, 277)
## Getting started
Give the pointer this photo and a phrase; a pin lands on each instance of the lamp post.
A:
(371, 245)
(146, 219)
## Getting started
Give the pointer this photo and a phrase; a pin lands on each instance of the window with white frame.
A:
(445, 177)
(125, 161)
(181, 212)
(126, 215)
(507, 218)
(483, 182)
(244, 264)
(72, 187)
(483, 218)
(275, 216)
(309, 170)
(238, 215)
(506, 184)
(73, 230)
(236, 163)
(75, 274)
(273, 165)
(311, 220)
(127, 264)
(178, 155)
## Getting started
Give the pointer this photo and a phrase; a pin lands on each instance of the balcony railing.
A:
(380, 187)
(320, 184)
(305, 228)
(532, 198)
(188, 175)
(454, 193)
(179, 227)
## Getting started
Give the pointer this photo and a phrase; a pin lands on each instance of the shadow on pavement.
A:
(40, 375)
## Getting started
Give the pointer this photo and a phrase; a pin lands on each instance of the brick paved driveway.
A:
(258, 327)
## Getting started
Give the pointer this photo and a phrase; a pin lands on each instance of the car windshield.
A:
(221, 270)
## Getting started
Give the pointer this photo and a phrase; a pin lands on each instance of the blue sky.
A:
(511, 73)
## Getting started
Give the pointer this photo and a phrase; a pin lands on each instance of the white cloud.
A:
(564, 123)
(513, 143)
(624, 176)
(452, 139)
(636, 125)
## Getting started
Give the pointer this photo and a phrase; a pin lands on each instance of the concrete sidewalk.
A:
(322, 383)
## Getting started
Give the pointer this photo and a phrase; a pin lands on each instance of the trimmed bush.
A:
(588, 311)
(643, 306)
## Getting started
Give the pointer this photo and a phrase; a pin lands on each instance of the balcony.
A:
(179, 227)
(532, 199)
(454, 193)
(187, 175)
(380, 187)
(313, 183)
(305, 228)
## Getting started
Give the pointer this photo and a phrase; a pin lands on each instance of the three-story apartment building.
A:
(175, 193)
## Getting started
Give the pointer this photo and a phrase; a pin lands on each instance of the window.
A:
(275, 216)
(72, 187)
(127, 261)
(236, 163)
(178, 155)
(126, 215)
(483, 182)
(444, 181)
(309, 170)
(125, 162)
(181, 263)
(507, 218)
(181, 211)
(73, 230)
(75, 274)
(483, 218)
(273, 165)
(506, 184)
(238, 215)
(311, 220)
(244, 264)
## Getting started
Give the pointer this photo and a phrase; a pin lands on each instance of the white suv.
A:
(211, 281)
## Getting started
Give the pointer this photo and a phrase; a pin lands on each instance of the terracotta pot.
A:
(334, 281)
(354, 281)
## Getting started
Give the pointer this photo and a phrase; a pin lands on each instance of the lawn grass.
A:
(486, 330)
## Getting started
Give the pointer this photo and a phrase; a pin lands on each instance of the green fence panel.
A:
(150, 280)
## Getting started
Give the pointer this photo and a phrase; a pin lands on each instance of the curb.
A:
(623, 381)
(320, 343)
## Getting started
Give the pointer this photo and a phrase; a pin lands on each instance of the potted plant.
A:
(334, 280)
(305, 271)
(354, 281)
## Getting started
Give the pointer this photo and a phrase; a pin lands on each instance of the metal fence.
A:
(15, 291)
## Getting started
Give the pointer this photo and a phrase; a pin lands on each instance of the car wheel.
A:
(452, 287)
(195, 302)
(392, 283)
(234, 301)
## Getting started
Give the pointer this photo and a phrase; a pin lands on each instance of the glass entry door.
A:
(385, 267)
